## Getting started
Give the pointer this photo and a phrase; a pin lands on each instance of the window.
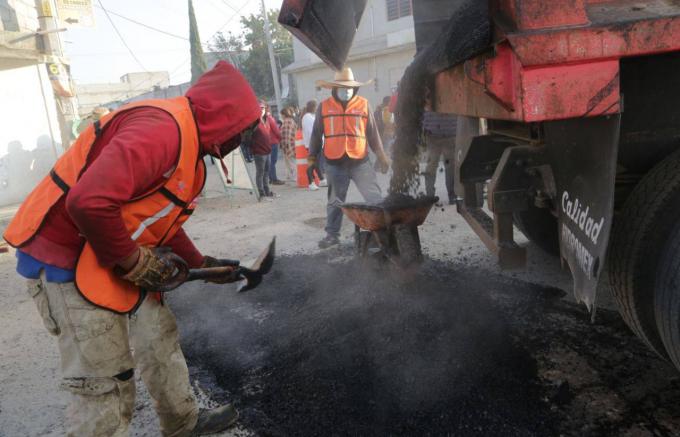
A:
(398, 8)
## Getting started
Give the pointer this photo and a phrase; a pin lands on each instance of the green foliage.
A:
(198, 66)
(249, 50)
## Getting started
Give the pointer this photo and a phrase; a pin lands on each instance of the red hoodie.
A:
(134, 154)
(266, 135)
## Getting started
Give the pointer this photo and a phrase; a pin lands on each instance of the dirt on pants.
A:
(99, 351)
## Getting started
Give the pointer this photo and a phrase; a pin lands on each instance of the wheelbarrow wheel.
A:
(640, 258)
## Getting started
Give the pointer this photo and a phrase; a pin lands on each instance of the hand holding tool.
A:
(252, 276)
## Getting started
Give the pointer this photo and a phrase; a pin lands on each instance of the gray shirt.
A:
(372, 135)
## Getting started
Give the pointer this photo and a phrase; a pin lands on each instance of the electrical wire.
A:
(121, 37)
(131, 20)
(144, 82)
(229, 5)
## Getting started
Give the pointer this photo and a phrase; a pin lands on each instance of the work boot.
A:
(215, 420)
(329, 241)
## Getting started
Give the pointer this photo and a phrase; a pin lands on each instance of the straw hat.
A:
(343, 79)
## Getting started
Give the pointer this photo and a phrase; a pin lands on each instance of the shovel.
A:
(252, 276)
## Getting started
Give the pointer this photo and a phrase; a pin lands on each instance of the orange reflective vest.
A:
(151, 219)
(344, 129)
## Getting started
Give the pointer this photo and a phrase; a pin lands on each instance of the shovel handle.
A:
(209, 273)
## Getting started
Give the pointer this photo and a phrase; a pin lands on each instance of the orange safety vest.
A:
(344, 129)
(151, 219)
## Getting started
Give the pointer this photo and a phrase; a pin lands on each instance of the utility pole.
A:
(272, 58)
(67, 106)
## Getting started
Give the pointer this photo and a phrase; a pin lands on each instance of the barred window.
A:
(398, 8)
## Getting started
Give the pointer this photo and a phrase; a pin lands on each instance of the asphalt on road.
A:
(329, 345)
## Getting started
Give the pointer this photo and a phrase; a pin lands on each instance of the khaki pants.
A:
(99, 350)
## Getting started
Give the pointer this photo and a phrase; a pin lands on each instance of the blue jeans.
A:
(262, 174)
(273, 157)
(339, 176)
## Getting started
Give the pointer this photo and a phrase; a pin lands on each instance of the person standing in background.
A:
(274, 156)
(346, 127)
(288, 129)
(266, 135)
(387, 119)
(439, 130)
(394, 99)
(308, 121)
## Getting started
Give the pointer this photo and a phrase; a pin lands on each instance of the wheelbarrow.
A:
(389, 231)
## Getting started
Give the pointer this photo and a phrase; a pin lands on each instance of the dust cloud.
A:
(467, 34)
(345, 346)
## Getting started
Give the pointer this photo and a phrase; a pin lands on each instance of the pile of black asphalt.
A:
(329, 345)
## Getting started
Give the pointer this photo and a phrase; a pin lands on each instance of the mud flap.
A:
(583, 155)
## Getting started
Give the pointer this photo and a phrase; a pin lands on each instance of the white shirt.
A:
(307, 128)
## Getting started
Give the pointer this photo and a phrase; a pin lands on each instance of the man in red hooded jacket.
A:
(134, 153)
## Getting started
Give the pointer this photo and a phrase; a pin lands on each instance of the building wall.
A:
(388, 70)
(18, 15)
(381, 51)
(162, 93)
(131, 85)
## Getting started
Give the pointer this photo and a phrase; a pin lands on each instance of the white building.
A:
(383, 47)
(91, 95)
(30, 138)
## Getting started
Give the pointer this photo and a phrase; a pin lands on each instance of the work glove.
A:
(311, 160)
(155, 268)
(383, 163)
(231, 273)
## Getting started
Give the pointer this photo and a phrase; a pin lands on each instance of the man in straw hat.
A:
(346, 127)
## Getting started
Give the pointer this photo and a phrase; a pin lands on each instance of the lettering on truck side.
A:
(583, 257)
(574, 210)
(579, 214)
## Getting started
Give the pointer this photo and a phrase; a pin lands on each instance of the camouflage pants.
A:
(99, 350)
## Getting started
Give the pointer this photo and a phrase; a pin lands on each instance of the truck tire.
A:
(641, 231)
(540, 227)
(667, 299)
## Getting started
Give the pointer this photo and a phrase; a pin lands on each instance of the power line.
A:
(121, 37)
(236, 14)
(229, 5)
(179, 66)
(131, 20)
(154, 51)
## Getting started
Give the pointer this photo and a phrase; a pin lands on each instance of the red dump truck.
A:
(569, 128)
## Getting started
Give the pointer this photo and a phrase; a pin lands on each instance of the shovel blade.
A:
(262, 265)
(327, 27)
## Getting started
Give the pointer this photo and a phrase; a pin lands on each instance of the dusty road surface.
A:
(329, 346)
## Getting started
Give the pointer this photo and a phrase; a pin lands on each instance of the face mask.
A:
(219, 151)
(345, 94)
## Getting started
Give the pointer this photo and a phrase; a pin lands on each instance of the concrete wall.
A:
(131, 85)
(18, 15)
